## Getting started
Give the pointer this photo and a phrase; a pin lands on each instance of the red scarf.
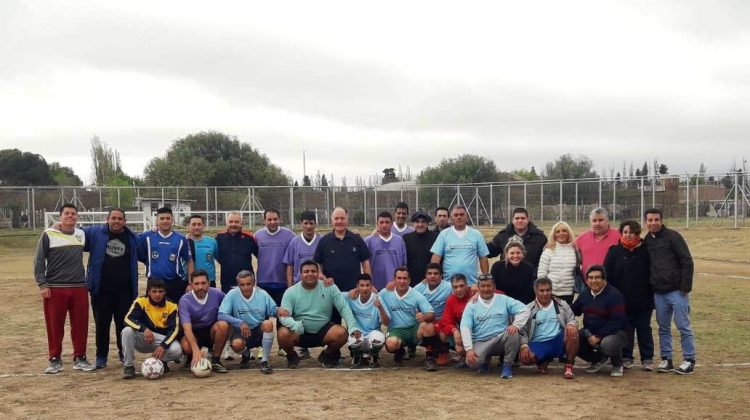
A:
(630, 244)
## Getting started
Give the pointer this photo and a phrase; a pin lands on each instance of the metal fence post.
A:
(118, 198)
(364, 205)
(208, 215)
(492, 211)
(696, 199)
(291, 206)
(416, 196)
(524, 196)
(614, 201)
(576, 206)
(561, 201)
(33, 208)
(736, 199)
(600, 191)
(541, 201)
(216, 206)
(687, 202)
(643, 208)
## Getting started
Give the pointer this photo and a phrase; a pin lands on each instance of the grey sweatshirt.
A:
(59, 259)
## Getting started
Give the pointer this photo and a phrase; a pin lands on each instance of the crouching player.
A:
(450, 323)
(308, 323)
(199, 312)
(151, 326)
(246, 308)
(487, 331)
(436, 291)
(370, 315)
(411, 316)
(551, 331)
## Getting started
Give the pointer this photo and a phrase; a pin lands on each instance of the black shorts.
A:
(203, 337)
(255, 339)
(309, 340)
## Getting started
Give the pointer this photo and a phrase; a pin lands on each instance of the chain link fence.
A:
(686, 200)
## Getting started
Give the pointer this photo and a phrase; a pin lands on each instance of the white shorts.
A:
(367, 342)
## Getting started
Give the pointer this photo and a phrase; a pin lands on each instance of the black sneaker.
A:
(597, 366)
(399, 356)
(374, 363)
(304, 353)
(128, 372)
(356, 361)
(265, 367)
(685, 368)
(217, 367)
(665, 366)
(166, 368)
(327, 361)
(412, 354)
(245, 362)
(292, 360)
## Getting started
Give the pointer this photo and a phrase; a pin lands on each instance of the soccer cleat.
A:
(292, 360)
(356, 360)
(128, 372)
(617, 371)
(429, 362)
(374, 363)
(185, 364)
(55, 365)
(507, 372)
(412, 353)
(483, 368)
(685, 368)
(101, 362)
(597, 366)
(328, 361)
(217, 367)
(542, 369)
(647, 365)
(627, 363)
(265, 368)
(399, 356)
(443, 358)
(166, 368)
(80, 363)
(244, 362)
(304, 353)
(568, 373)
(665, 366)
(461, 364)
(281, 353)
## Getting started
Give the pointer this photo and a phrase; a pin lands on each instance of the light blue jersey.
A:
(206, 252)
(235, 309)
(546, 324)
(460, 252)
(436, 297)
(366, 314)
(403, 309)
(483, 321)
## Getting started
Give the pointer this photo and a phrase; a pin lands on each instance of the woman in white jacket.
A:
(558, 261)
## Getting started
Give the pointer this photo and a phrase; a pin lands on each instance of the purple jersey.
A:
(271, 250)
(403, 231)
(385, 257)
(197, 314)
(299, 251)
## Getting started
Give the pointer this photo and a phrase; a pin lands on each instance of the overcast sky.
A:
(364, 87)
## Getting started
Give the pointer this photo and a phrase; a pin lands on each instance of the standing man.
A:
(531, 237)
(400, 228)
(272, 243)
(387, 251)
(672, 280)
(460, 248)
(236, 249)
(595, 242)
(490, 327)
(441, 219)
(205, 249)
(418, 245)
(112, 278)
(164, 252)
(199, 318)
(302, 247)
(58, 270)
(342, 254)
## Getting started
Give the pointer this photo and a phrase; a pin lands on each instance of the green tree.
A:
(63, 175)
(23, 168)
(461, 170)
(663, 169)
(105, 162)
(568, 167)
(213, 158)
(528, 175)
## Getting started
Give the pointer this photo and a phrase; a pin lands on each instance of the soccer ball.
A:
(152, 368)
(202, 369)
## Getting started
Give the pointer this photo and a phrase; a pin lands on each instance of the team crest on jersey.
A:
(354, 249)
(209, 257)
(172, 257)
(154, 255)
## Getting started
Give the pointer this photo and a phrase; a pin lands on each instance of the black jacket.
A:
(629, 272)
(534, 241)
(671, 262)
(418, 253)
(516, 282)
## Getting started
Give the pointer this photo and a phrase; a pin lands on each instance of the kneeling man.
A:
(487, 331)
(151, 326)
(310, 304)
(246, 308)
(199, 319)
(604, 322)
(412, 318)
(551, 331)
(370, 314)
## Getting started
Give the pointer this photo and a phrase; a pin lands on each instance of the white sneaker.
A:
(80, 363)
(616, 371)
(228, 353)
(627, 363)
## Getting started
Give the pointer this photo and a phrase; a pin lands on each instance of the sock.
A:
(267, 343)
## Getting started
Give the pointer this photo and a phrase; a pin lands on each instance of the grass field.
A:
(718, 388)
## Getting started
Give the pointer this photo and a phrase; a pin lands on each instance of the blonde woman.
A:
(558, 261)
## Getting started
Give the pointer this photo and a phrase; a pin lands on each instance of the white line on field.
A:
(365, 369)
(723, 275)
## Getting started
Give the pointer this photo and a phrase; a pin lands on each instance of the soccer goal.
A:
(138, 221)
